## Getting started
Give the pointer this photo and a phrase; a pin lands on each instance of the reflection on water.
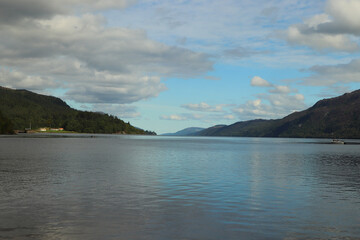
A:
(131, 187)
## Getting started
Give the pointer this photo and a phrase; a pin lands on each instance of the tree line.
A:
(26, 109)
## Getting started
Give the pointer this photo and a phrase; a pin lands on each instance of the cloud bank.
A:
(204, 107)
(259, 82)
(331, 30)
(44, 45)
(277, 102)
(12, 11)
(327, 75)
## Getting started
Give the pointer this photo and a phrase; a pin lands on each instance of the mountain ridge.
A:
(337, 117)
(185, 132)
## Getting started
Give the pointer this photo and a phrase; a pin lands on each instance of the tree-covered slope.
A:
(6, 126)
(337, 117)
(24, 108)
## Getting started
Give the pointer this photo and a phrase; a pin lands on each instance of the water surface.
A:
(142, 187)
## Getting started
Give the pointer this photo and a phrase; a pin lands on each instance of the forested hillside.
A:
(337, 117)
(24, 109)
(6, 126)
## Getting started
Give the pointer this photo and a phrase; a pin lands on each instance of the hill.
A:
(6, 126)
(185, 132)
(24, 109)
(337, 117)
(211, 131)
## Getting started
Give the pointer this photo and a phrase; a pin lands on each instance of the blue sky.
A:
(167, 65)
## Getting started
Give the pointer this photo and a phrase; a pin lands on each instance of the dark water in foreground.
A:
(128, 187)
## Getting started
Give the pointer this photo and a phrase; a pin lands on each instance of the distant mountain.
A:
(211, 131)
(24, 109)
(185, 132)
(337, 117)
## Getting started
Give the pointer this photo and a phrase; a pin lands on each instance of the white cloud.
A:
(270, 106)
(229, 117)
(259, 82)
(346, 17)
(330, 30)
(326, 75)
(110, 88)
(280, 89)
(320, 41)
(95, 63)
(16, 79)
(173, 117)
(87, 39)
(204, 107)
(238, 110)
(278, 102)
(317, 20)
(229, 29)
(255, 103)
(299, 97)
(285, 103)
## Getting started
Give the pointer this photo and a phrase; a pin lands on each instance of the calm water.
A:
(131, 187)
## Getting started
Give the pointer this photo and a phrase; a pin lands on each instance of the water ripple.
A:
(124, 187)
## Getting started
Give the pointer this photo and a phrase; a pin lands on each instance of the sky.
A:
(167, 65)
